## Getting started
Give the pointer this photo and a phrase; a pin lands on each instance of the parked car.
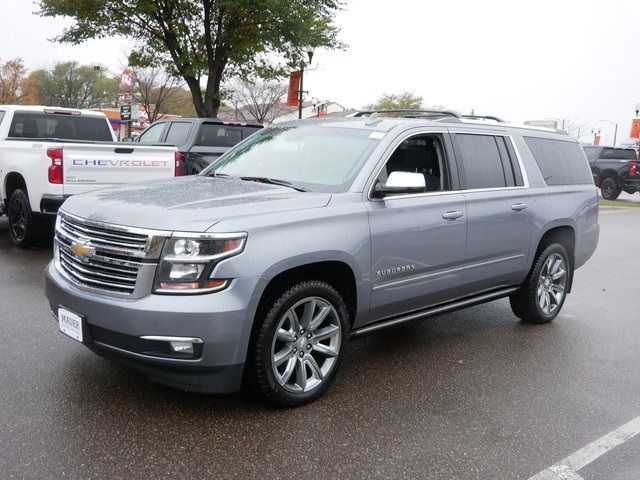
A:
(199, 140)
(48, 154)
(614, 170)
(262, 267)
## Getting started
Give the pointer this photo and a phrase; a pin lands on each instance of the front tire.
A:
(609, 189)
(24, 228)
(544, 291)
(299, 343)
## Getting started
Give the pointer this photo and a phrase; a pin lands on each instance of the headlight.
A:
(188, 261)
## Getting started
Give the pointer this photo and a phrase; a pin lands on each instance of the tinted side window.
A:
(64, 127)
(153, 134)
(481, 161)
(619, 153)
(215, 135)
(178, 133)
(1, 115)
(561, 162)
(591, 153)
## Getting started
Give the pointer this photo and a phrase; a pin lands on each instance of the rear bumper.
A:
(113, 328)
(50, 204)
(632, 184)
(586, 244)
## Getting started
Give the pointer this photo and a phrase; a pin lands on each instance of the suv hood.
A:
(191, 204)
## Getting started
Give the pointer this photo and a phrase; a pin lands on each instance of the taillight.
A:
(55, 170)
(633, 168)
(178, 170)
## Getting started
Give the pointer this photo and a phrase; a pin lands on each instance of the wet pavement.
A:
(474, 394)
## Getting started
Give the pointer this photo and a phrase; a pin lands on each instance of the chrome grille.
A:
(106, 258)
(132, 244)
(97, 274)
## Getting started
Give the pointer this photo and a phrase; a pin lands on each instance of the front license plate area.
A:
(70, 324)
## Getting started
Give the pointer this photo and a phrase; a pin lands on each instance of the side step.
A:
(430, 312)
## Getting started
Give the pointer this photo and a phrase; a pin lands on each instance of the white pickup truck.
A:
(48, 154)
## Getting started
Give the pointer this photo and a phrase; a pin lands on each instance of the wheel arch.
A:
(337, 272)
(12, 182)
(606, 174)
(565, 235)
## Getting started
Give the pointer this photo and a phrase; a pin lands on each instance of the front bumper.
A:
(223, 321)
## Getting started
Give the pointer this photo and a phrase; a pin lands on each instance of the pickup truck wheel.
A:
(299, 344)
(544, 291)
(609, 189)
(23, 227)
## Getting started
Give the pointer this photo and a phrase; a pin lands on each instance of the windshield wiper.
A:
(273, 181)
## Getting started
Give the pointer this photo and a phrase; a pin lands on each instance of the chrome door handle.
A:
(518, 207)
(451, 215)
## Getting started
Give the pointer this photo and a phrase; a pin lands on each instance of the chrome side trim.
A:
(425, 276)
(143, 356)
(429, 312)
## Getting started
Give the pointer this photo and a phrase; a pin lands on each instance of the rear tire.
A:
(298, 344)
(24, 228)
(545, 289)
(609, 189)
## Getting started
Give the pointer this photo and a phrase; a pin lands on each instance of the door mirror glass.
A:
(401, 183)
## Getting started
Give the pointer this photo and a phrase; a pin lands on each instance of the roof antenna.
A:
(373, 119)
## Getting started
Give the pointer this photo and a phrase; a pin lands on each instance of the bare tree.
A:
(576, 127)
(155, 89)
(12, 79)
(258, 101)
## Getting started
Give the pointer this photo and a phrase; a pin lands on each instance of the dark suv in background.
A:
(614, 170)
(199, 140)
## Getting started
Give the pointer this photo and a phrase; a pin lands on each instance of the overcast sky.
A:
(515, 59)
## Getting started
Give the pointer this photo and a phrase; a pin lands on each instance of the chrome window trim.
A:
(525, 176)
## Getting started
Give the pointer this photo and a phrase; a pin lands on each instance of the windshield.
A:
(316, 158)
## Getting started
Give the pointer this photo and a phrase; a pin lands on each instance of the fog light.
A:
(182, 347)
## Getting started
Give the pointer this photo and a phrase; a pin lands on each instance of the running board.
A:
(430, 312)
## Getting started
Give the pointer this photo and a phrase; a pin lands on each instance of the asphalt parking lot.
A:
(474, 394)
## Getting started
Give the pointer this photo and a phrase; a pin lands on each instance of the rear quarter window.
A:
(561, 162)
(1, 115)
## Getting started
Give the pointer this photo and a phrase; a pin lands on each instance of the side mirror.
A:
(401, 183)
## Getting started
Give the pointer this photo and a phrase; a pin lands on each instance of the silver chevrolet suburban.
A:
(259, 270)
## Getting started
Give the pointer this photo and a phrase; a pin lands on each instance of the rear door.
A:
(90, 166)
(495, 187)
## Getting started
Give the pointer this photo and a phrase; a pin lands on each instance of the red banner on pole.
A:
(635, 128)
(294, 89)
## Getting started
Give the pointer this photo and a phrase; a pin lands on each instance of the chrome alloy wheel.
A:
(306, 344)
(552, 283)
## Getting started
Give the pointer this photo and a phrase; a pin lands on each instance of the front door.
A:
(417, 241)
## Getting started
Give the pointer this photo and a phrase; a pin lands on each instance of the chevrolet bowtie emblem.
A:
(82, 249)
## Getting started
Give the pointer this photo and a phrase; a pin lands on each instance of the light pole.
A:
(615, 133)
(301, 92)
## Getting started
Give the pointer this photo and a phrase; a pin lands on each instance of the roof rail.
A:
(483, 117)
(409, 113)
